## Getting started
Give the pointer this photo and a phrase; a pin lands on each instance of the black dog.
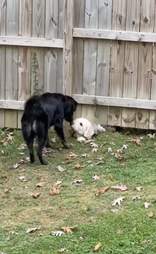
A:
(42, 112)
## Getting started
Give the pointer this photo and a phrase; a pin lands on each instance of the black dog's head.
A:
(70, 106)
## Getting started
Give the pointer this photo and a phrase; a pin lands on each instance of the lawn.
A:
(73, 196)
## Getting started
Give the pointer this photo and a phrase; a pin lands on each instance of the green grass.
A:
(127, 230)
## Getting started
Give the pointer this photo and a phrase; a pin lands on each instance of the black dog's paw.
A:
(44, 162)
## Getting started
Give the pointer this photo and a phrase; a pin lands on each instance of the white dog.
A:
(85, 128)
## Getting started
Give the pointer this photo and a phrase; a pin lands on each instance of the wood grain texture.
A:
(117, 60)
(145, 62)
(2, 57)
(131, 62)
(11, 91)
(90, 57)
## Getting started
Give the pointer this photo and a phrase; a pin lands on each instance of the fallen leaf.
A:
(102, 190)
(139, 188)
(71, 156)
(118, 201)
(136, 141)
(77, 182)
(69, 230)
(22, 178)
(135, 198)
(62, 250)
(93, 145)
(151, 214)
(96, 178)
(151, 135)
(147, 205)
(35, 195)
(57, 233)
(78, 166)
(119, 187)
(97, 247)
(39, 185)
(94, 150)
(32, 230)
(110, 150)
(60, 168)
(119, 155)
(55, 190)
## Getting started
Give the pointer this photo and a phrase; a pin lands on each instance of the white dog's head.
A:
(83, 127)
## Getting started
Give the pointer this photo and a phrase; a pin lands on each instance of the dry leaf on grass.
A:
(97, 247)
(118, 201)
(119, 187)
(35, 195)
(78, 166)
(60, 168)
(151, 215)
(102, 191)
(57, 233)
(55, 189)
(119, 155)
(147, 205)
(139, 188)
(136, 141)
(32, 230)
(40, 184)
(77, 182)
(71, 156)
(93, 145)
(69, 230)
(22, 178)
(96, 177)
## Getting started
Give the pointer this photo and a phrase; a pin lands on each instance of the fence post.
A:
(68, 47)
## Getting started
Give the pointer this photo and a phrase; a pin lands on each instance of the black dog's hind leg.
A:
(60, 133)
(42, 134)
(48, 145)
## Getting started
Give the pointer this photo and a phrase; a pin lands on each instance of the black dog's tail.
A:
(34, 118)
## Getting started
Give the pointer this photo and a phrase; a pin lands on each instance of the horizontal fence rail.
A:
(92, 100)
(30, 42)
(114, 35)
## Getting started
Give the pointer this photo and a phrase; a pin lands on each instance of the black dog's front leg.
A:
(60, 133)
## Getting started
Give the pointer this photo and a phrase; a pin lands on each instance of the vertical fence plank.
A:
(90, 57)
(78, 52)
(145, 62)
(59, 71)
(37, 55)
(51, 31)
(152, 121)
(25, 22)
(103, 59)
(117, 60)
(2, 57)
(68, 47)
(12, 62)
(131, 62)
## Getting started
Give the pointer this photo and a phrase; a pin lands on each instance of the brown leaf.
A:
(69, 230)
(136, 141)
(40, 184)
(102, 190)
(32, 230)
(119, 156)
(151, 214)
(71, 156)
(78, 166)
(119, 187)
(55, 190)
(35, 195)
(97, 247)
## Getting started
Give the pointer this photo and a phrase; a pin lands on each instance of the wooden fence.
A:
(102, 52)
